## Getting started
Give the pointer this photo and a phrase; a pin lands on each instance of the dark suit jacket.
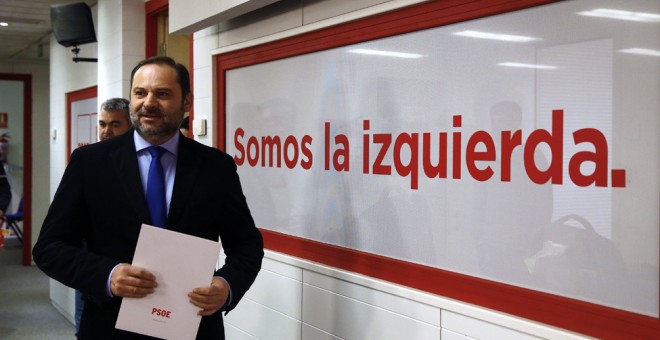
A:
(5, 190)
(100, 201)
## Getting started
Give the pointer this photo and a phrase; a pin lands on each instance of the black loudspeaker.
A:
(72, 24)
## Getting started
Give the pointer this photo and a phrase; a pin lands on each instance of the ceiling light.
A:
(495, 36)
(4, 24)
(523, 65)
(642, 51)
(386, 53)
(621, 15)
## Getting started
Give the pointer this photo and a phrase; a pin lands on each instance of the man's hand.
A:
(210, 298)
(132, 282)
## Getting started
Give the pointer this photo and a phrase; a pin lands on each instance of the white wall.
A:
(204, 87)
(65, 76)
(298, 299)
(121, 36)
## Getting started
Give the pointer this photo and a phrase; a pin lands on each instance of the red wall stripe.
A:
(579, 316)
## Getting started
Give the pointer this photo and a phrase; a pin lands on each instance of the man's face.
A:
(112, 124)
(157, 106)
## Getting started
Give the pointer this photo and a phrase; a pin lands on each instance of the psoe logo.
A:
(161, 312)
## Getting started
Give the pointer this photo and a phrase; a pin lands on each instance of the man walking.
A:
(202, 197)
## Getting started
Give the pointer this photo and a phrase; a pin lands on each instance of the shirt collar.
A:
(172, 145)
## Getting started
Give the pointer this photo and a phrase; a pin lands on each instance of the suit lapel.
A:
(188, 165)
(124, 159)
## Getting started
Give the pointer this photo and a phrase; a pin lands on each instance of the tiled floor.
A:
(25, 308)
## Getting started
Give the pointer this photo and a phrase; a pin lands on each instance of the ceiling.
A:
(28, 35)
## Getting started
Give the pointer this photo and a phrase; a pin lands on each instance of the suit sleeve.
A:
(59, 251)
(241, 240)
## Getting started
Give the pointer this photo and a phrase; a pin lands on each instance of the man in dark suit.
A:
(101, 201)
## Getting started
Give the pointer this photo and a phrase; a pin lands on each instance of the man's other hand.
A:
(210, 299)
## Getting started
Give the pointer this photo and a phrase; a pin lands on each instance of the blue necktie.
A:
(156, 188)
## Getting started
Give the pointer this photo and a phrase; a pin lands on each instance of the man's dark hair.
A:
(182, 73)
(185, 124)
(115, 104)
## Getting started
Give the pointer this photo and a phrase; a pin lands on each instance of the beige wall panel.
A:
(273, 19)
(195, 15)
(314, 11)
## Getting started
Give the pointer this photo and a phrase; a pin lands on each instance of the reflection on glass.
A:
(591, 240)
(495, 36)
(622, 15)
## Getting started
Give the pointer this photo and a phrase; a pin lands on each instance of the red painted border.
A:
(191, 71)
(27, 161)
(570, 314)
(74, 96)
(222, 103)
(575, 315)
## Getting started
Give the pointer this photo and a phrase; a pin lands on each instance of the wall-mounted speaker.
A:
(72, 24)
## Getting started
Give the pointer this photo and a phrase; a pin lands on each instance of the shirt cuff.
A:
(108, 290)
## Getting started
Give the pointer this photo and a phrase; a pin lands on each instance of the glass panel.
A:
(84, 122)
(521, 148)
